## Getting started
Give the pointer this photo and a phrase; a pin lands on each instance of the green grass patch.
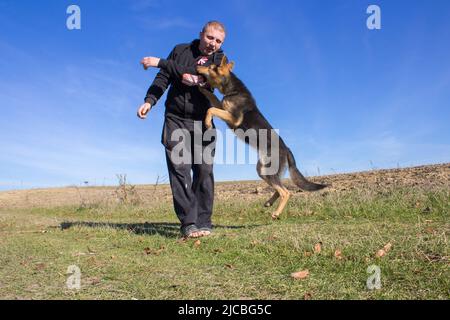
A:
(127, 252)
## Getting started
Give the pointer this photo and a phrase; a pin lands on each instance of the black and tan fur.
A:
(238, 109)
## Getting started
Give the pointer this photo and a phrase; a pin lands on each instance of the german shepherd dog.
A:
(238, 109)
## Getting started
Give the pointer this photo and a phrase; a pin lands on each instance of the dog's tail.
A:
(299, 180)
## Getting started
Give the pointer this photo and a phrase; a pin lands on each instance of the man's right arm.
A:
(159, 85)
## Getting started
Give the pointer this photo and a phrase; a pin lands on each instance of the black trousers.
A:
(191, 175)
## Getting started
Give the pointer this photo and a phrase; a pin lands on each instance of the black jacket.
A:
(183, 101)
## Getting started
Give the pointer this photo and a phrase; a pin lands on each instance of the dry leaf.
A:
(93, 280)
(318, 247)
(77, 254)
(153, 251)
(307, 296)
(300, 274)
(40, 266)
(197, 243)
(382, 252)
(161, 249)
(338, 254)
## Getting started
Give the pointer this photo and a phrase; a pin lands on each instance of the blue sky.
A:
(344, 97)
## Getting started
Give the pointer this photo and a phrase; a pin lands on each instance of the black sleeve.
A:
(162, 81)
(174, 69)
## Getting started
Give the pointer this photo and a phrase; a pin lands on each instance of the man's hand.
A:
(143, 110)
(193, 80)
(148, 62)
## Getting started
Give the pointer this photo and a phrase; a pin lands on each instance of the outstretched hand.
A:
(148, 62)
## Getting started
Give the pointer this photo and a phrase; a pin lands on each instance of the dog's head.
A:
(217, 76)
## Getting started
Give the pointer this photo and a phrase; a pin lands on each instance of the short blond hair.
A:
(214, 24)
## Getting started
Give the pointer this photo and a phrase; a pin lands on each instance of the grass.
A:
(134, 251)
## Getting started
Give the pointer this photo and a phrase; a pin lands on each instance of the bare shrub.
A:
(126, 193)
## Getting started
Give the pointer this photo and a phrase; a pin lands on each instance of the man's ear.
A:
(230, 65)
(224, 61)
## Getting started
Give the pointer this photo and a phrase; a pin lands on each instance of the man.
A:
(186, 108)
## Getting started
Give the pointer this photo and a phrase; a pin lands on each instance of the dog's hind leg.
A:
(284, 195)
(271, 201)
(274, 181)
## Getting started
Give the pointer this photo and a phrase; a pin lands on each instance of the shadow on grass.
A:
(166, 229)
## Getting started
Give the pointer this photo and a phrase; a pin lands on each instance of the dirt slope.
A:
(428, 176)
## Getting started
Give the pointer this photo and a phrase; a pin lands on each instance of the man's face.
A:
(211, 40)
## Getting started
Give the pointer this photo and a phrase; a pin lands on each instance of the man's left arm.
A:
(175, 70)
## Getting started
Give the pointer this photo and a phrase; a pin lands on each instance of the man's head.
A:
(212, 37)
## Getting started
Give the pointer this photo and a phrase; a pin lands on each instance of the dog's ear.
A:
(224, 61)
(230, 66)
